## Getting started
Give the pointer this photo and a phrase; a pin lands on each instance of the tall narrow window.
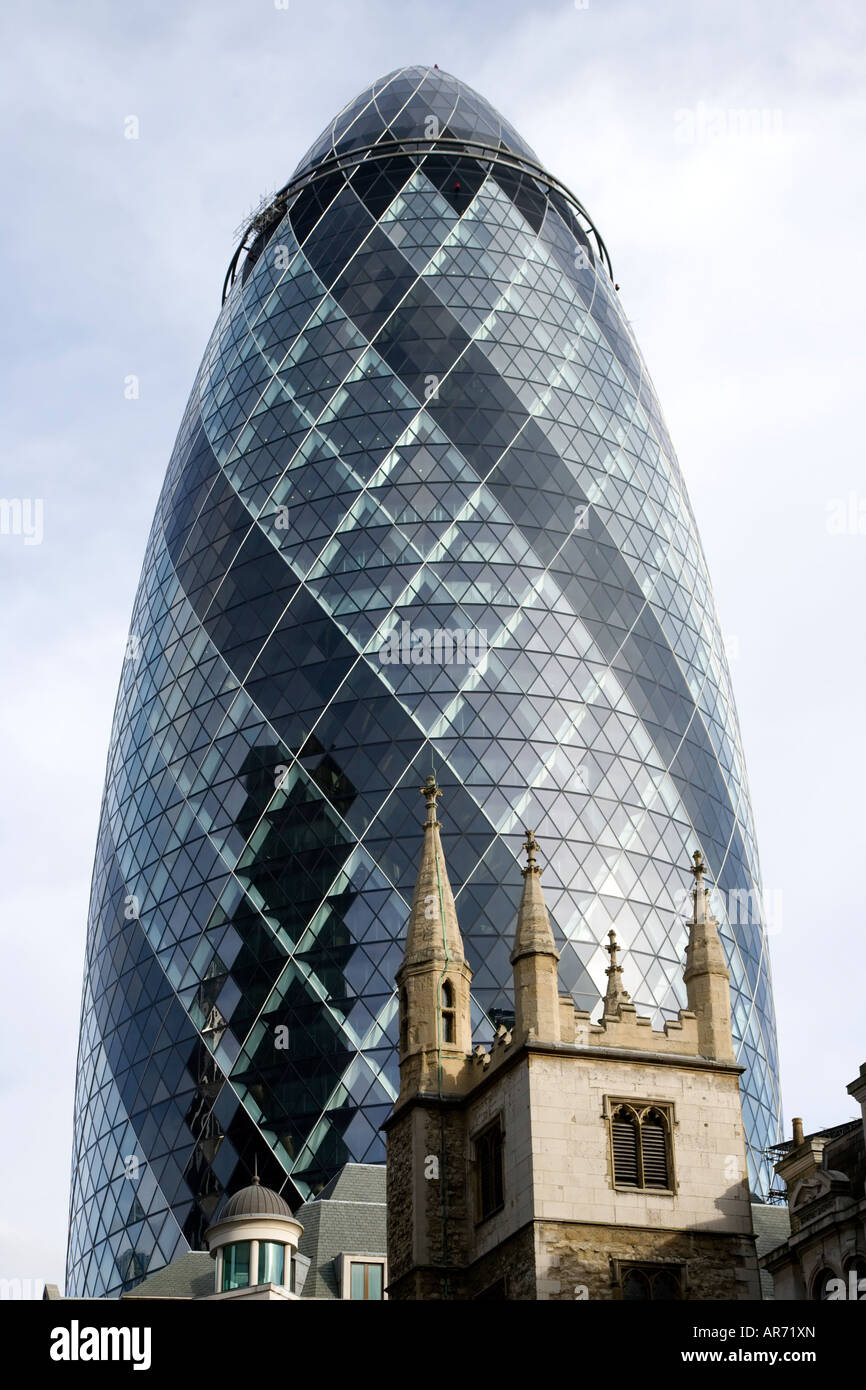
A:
(404, 1020)
(626, 1169)
(449, 1030)
(271, 1262)
(641, 1147)
(488, 1170)
(236, 1265)
(654, 1150)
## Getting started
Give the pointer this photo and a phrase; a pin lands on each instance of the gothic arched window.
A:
(821, 1285)
(651, 1283)
(640, 1144)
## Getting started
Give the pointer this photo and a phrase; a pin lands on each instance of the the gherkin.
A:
(422, 510)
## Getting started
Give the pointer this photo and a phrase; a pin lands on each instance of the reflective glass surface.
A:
(365, 1280)
(271, 1262)
(236, 1265)
(421, 411)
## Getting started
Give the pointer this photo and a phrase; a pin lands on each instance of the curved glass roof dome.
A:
(415, 103)
(413, 110)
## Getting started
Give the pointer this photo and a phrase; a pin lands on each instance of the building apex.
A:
(431, 794)
(699, 868)
(530, 844)
(534, 934)
(704, 951)
(706, 974)
(433, 933)
(615, 995)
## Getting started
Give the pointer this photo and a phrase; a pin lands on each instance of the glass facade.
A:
(422, 511)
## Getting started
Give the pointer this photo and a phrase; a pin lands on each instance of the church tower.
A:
(572, 1159)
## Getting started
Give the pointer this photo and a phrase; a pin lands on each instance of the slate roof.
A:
(355, 1182)
(189, 1276)
(772, 1226)
(346, 1217)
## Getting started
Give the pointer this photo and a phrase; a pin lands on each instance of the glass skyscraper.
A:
(422, 512)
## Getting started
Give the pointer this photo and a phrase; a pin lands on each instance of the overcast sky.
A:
(738, 246)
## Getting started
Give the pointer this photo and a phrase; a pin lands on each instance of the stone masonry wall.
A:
(571, 1161)
(573, 1258)
(429, 1201)
(400, 1220)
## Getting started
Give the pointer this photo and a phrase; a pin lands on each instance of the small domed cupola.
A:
(254, 1242)
(255, 1200)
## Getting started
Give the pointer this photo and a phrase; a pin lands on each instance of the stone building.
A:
(573, 1159)
(824, 1173)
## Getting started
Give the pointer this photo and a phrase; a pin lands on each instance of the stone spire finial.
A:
(699, 895)
(431, 794)
(534, 957)
(433, 933)
(615, 995)
(530, 844)
(706, 974)
(534, 935)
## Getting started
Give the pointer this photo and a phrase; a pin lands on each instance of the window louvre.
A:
(641, 1153)
(625, 1164)
(654, 1150)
